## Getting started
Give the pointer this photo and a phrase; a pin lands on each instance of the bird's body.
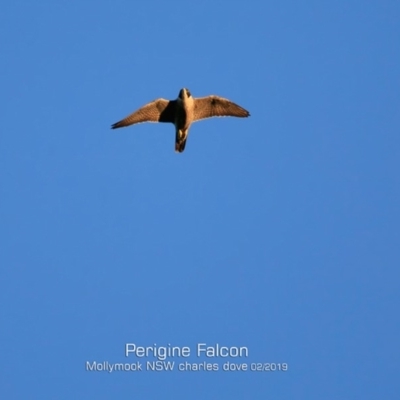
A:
(182, 112)
(184, 116)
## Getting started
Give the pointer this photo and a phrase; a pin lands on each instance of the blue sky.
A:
(279, 232)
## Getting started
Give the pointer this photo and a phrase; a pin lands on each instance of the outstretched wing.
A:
(214, 106)
(159, 110)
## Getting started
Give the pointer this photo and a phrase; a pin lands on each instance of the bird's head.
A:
(184, 93)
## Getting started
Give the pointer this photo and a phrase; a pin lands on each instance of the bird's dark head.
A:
(183, 93)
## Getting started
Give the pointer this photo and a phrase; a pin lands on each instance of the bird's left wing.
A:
(215, 106)
(159, 110)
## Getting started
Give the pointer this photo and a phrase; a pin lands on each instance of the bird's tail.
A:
(180, 140)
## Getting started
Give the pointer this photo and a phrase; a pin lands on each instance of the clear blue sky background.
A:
(279, 232)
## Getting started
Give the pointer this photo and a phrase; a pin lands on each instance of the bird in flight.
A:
(182, 112)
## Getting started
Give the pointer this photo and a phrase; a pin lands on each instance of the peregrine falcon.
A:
(182, 112)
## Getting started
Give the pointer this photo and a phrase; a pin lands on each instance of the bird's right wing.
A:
(159, 110)
(215, 106)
